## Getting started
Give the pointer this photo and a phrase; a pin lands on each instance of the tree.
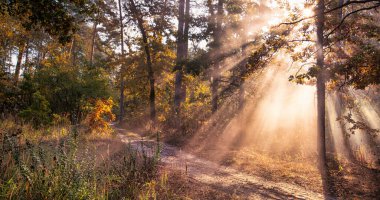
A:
(182, 52)
(121, 115)
(217, 34)
(321, 88)
(137, 16)
(21, 49)
(55, 17)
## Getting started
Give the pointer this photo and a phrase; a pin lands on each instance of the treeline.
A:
(170, 61)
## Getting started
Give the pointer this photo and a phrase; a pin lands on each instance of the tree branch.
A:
(331, 10)
(351, 13)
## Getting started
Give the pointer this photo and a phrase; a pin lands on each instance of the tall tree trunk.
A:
(186, 43)
(152, 96)
(94, 31)
(180, 57)
(26, 65)
(217, 42)
(19, 60)
(321, 91)
(186, 29)
(182, 52)
(122, 87)
(72, 52)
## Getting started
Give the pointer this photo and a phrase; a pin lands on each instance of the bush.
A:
(100, 114)
(67, 170)
(38, 112)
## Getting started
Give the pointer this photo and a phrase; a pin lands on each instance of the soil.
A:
(222, 180)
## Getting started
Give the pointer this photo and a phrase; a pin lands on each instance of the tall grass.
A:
(36, 165)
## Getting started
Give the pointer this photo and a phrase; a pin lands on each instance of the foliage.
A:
(361, 69)
(31, 169)
(67, 89)
(38, 112)
(56, 17)
(100, 114)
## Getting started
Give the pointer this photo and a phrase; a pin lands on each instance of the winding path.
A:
(218, 177)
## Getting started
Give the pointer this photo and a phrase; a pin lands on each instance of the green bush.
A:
(38, 112)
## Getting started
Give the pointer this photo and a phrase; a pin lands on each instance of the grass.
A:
(285, 168)
(60, 163)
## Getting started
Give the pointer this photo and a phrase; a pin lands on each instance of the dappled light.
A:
(189, 99)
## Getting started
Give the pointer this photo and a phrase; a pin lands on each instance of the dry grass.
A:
(184, 187)
(353, 180)
(294, 169)
(64, 163)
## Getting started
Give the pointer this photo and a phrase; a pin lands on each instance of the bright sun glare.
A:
(307, 12)
(300, 4)
(279, 16)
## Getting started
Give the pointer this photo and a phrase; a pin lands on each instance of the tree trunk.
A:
(321, 90)
(94, 31)
(26, 65)
(180, 57)
(182, 52)
(72, 52)
(152, 96)
(216, 74)
(186, 29)
(186, 43)
(122, 87)
(19, 60)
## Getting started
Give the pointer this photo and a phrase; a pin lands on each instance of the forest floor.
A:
(200, 178)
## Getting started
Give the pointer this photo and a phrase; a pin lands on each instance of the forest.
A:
(189, 99)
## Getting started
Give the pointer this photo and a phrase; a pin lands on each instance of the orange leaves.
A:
(100, 114)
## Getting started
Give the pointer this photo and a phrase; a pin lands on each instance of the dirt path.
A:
(219, 177)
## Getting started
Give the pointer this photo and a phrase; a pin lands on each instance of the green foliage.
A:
(55, 17)
(68, 89)
(38, 112)
(8, 93)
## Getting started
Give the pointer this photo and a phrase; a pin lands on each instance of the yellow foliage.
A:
(100, 114)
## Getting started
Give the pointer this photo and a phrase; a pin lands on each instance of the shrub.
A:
(67, 170)
(38, 112)
(100, 114)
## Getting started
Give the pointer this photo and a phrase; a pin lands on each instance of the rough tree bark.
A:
(140, 23)
(122, 87)
(321, 91)
(186, 29)
(182, 52)
(26, 65)
(215, 78)
(180, 57)
(21, 49)
(93, 37)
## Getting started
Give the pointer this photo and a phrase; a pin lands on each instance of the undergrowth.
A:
(53, 164)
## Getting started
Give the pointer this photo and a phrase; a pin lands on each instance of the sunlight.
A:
(296, 3)
(189, 99)
(300, 4)
(274, 21)
(307, 12)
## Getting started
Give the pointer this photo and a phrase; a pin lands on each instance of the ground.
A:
(217, 179)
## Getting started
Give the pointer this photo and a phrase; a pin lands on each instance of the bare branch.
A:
(351, 13)
(331, 10)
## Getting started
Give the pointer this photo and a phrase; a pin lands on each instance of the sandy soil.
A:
(220, 178)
